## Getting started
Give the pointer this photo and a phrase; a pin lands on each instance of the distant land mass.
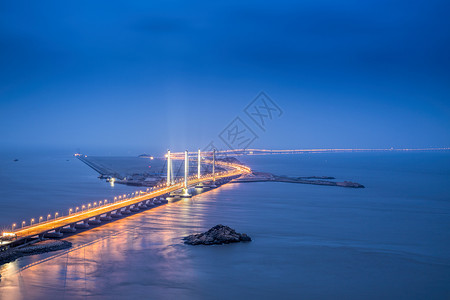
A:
(318, 150)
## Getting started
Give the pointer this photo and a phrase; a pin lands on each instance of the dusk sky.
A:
(132, 77)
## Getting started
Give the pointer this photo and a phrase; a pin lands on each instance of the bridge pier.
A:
(117, 214)
(174, 195)
(107, 217)
(127, 210)
(70, 229)
(186, 194)
(96, 221)
(135, 208)
(56, 234)
(83, 225)
(201, 186)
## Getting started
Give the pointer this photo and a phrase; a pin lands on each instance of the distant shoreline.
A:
(322, 150)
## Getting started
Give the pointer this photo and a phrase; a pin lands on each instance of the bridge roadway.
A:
(42, 228)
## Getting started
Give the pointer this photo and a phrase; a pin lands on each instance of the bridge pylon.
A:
(186, 175)
(199, 164)
(169, 168)
(214, 168)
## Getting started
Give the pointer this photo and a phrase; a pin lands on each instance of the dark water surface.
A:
(390, 240)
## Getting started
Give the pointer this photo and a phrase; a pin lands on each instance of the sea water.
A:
(389, 240)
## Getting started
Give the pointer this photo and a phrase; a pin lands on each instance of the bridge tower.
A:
(186, 175)
(199, 164)
(169, 168)
(214, 168)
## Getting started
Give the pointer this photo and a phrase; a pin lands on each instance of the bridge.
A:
(104, 211)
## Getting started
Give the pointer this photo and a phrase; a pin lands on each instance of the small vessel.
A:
(16, 159)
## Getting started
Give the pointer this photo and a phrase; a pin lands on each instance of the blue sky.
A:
(121, 77)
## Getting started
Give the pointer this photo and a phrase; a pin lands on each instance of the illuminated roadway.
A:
(63, 221)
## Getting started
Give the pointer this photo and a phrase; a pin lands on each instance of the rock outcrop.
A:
(36, 248)
(217, 235)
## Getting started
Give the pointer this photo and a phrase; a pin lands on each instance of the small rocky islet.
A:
(217, 235)
(32, 249)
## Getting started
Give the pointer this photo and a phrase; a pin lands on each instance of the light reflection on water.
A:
(148, 243)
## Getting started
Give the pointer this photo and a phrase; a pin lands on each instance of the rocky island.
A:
(31, 249)
(217, 235)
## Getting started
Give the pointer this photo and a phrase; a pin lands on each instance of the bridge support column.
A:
(107, 217)
(127, 210)
(96, 221)
(117, 214)
(174, 195)
(135, 208)
(82, 225)
(200, 186)
(56, 234)
(69, 229)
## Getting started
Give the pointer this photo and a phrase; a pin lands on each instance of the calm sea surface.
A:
(390, 240)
